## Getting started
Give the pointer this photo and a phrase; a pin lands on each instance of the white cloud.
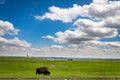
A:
(64, 14)
(90, 38)
(69, 37)
(56, 46)
(13, 42)
(88, 52)
(101, 20)
(100, 1)
(59, 51)
(95, 29)
(79, 35)
(86, 23)
(48, 37)
(104, 10)
(103, 44)
(14, 51)
(11, 46)
(7, 28)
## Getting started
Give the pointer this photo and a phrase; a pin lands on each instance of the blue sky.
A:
(21, 13)
(60, 23)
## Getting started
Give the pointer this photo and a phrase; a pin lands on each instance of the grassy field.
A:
(20, 67)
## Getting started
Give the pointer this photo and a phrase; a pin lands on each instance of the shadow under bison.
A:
(42, 70)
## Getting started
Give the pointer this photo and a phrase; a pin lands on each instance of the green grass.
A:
(19, 67)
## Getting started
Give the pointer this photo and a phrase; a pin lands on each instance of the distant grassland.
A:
(20, 67)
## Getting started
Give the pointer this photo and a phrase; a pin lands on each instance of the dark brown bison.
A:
(42, 70)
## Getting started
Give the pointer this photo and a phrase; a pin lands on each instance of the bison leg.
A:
(38, 73)
(46, 73)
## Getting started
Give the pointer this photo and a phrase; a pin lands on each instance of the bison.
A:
(42, 70)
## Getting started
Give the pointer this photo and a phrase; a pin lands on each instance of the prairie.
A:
(23, 67)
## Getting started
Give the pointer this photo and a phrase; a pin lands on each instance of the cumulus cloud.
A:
(103, 44)
(9, 46)
(7, 28)
(88, 37)
(83, 32)
(14, 42)
(102, 9)
(59, 51)
(64, 14)
(95, 29)
(101, 20)
(88, 52)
